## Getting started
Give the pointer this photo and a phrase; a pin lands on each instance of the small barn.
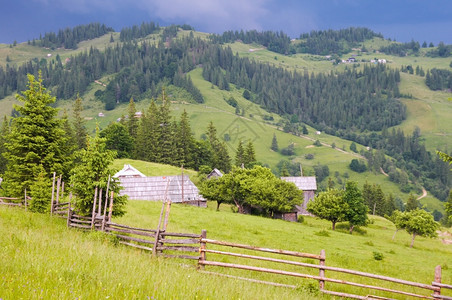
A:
(308, 185)
(177, 189)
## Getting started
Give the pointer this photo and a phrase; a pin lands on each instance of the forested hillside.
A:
(360, 103)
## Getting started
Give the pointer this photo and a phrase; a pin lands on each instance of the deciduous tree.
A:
(329, 205)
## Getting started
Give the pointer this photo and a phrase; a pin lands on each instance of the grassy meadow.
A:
(43, 259)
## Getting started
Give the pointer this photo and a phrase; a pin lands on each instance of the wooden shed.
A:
(177, 189)
(308, 185)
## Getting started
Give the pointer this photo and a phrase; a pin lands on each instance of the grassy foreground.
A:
(42, 259)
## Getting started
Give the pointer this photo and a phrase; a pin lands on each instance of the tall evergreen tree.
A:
(240, 155)
(93, 171)
(274, 145)
(146, 143)
(36, 139)
(80, 131)
(186, 141)
(250, 155)
(4, 131)
(356, 213)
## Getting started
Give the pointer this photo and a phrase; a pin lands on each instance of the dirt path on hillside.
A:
(424, 194)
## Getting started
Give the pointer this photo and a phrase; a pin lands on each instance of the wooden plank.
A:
(442, 285)
(136, 246)
(184, 241)
(73, 220)
(281, 272)
(81, 217)
(442, 297)
(80, 226)
(276, 251)
(129, 238)
(181, 256)
(188, 235)
(344, 295)
(60, 204)
(179, 248)
(110, 229)
(130, 227)
(251, 280)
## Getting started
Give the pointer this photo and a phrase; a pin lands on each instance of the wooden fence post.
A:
(69, 215)
(58, 190)
(202, 254)
(168, 208)
(53, 194)
(322, 271)
(100, 202)
(436, 294)
(110, 210)
(94, 208)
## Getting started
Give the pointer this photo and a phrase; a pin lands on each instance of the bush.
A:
(357, 166)
(378, 255)
(317, 143)
(323, 232)
(300, 219)
(309, 156)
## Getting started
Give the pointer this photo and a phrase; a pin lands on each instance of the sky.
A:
(402, 20)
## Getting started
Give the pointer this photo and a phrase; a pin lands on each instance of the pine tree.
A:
(36, 139)
(274, 145)
(80, 132)
(93, 171)
(250, 155)
(4, 131)
(40, 192)
(356, 213)
(412, 203)
(240, 155)
(146, 143)
(165, 134)
(186, 141)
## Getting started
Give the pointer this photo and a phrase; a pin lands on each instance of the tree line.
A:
(323, 42)
(438, 79)
(69, 38)
(141, 69)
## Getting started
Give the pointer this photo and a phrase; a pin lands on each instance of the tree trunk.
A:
(239, 207)
(334, 224)
(218, 205)
(375, 205)
(351, 228)
(393, 236)
(412, 240)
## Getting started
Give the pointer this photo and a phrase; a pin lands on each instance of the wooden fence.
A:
(404, 289)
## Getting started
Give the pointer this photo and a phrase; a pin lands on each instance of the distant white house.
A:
(101, 114)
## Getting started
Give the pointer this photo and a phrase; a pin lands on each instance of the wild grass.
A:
(42, 259)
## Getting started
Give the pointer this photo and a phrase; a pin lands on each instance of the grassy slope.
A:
(41, 258)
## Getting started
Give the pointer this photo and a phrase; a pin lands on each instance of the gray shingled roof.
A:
(155, 188)
(303, 183)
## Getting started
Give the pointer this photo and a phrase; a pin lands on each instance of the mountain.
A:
(351, 85)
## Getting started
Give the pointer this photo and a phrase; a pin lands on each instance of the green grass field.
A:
(42, 259)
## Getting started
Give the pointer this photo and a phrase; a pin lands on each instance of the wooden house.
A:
(215, 174)
(177, 189)
(308, 185)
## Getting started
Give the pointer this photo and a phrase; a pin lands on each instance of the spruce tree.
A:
(146, 143)
(274, 145)
(4, 131)
(240, 155)
(93, 171)
(40, 192)
(250, 155)
(186, 141)
(356, 213)
(36, 138)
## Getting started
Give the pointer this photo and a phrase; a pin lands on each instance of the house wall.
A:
(308, 196)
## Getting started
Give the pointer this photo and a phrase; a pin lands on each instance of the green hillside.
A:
(427, 109)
